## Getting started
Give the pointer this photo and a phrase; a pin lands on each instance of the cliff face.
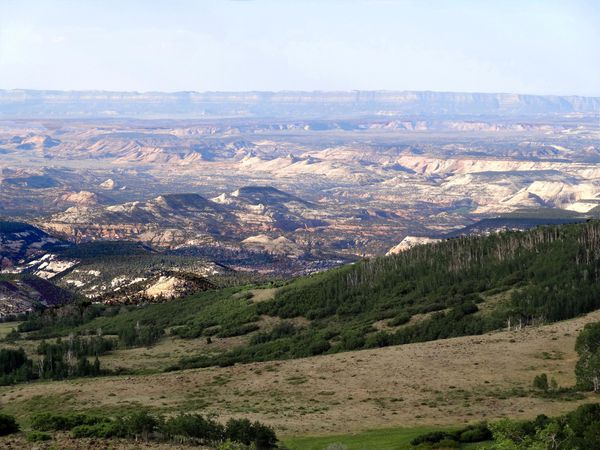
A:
(29, 103)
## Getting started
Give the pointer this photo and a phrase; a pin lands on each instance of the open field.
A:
(442, 383)
(384, 439)
(6, 327)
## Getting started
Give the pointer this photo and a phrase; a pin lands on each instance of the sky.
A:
(525, 46)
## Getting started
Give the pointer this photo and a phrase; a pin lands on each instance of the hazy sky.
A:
(538, 47)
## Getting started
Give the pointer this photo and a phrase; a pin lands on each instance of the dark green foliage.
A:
(78, 345)
(140, 335)
(283, 329)
(62, 422)
(444, 439)
(432, 437)
(553, 273)
(541, 382)
(38, 436)
(140, 423)
(308, 342)
(555, 265)
(59, 360)
(246, 432)
(54, 322)
(15, 367)
(579, 429)
(183, 428)
(237, 330)
(8, 425)
(587, 370)
(400, 319)
(101, 429)
(69, 358)
(103, 249)
(11, 360)
(475, 433)
(193, 427)
(219, 311)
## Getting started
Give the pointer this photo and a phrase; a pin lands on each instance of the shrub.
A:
(447, 443)
(541, 382)
(8, 425)
(432, 437)
(475, 433)
(63, 422)
(319, 347)
(140, 423)
(450, 439)
(248, 433)
(400, 319)
(106, 429)
(237, 330)
(38, 436)
(193, 426)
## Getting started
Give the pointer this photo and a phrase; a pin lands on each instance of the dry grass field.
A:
(446, 382)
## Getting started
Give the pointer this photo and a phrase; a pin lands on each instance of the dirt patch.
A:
(263, 295)
(382, 325)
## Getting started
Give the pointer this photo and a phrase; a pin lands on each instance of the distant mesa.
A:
(89, 104)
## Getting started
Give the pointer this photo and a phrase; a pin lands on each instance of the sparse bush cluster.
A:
(78, 345)
(587, 370)
(56, 361)
(8, 425)
(183, 428)
(450, 439)
(579, 429)
(140, 335)
(15, 367)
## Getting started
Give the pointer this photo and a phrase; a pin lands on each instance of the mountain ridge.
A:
(112, 104)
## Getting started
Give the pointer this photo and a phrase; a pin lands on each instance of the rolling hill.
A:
(456, 287)
(176, 220)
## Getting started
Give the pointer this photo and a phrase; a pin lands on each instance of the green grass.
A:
(6, 327)
(23, 409)
(383, 439)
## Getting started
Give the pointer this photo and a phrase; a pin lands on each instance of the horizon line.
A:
(283, 91)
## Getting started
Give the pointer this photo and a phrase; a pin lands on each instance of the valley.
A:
(405, 266)
(306, 195)
(299, 225)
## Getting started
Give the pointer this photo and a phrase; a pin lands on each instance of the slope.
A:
(462, 286)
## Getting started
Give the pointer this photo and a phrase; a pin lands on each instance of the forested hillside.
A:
(468, 285)
(462, 286)
(555, 268)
